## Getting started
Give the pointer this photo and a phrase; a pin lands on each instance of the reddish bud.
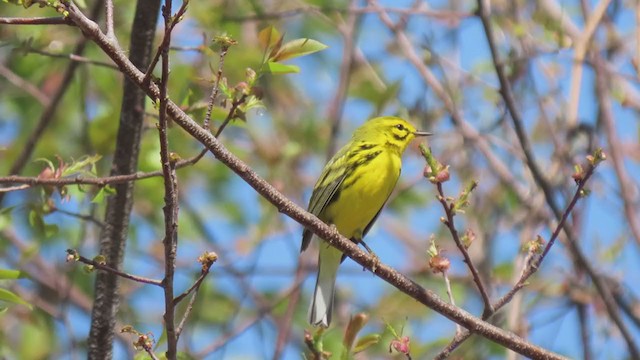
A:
(427, 172)
(468, 238)
(207, 259)
(401, 345)
(243, 88)
(439, 264)
(536, 245)
(443, 175)
(46, 173)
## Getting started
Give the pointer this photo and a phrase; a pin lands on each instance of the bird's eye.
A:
(399, 127)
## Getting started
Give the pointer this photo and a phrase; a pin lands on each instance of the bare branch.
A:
(580, 50)
(73, 255)
(531, 266)
(216, 86)
(449, 223)
(36, 21)
(284, 205)
(168, 162)
(21, 83)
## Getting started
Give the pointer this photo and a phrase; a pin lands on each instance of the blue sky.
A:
(552, 324)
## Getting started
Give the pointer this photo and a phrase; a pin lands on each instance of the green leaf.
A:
(365, 342)
(252, 102)
(8, 274)
(276, 68)
(8, 296)
(104, 192)
(80, 165)
(268, 37)
(298, 47)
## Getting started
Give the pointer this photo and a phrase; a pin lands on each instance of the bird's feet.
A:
(375, 261)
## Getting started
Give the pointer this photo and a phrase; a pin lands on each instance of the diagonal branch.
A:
(531, 267)
(542, 182)
(284, 205)
(450, 212)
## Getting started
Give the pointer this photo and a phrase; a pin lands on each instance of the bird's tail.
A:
(322, 302)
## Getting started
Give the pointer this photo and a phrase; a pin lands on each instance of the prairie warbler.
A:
(351, 191)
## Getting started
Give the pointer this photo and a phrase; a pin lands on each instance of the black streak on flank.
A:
(349, 179)
(366, 146)
(369, 157)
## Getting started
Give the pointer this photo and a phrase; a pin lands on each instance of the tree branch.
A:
(125, 162)
(284, 205)
(73, 255)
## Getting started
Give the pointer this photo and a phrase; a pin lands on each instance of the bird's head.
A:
(388, 130)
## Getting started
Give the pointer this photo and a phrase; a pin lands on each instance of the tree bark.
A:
(114, 234)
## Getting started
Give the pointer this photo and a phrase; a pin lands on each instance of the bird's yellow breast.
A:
(363, 194)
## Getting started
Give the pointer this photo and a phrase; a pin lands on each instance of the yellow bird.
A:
(351, 191)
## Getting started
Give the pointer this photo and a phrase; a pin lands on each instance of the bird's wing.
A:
(326, 189)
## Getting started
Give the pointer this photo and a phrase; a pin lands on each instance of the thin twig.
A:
(470, 134)
(507, 95)
(101, 266)
(295, 212)
(216, 86)
(628, 189)
(23, 84)
(36, 21)
(14, 188)
(234, 106)
(207, 261)
(449, 211)
(72, 57)
(263, 311)
(165, 41)
(149, 351)
(89, 218)
(98, 181)
(542, 182)
(530, 268)
(451, 299)
(193, 287)
(580, 51)
(170, 241)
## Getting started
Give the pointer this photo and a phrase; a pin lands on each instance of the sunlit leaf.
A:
(102, 194)
(277, 68)
(298, 47)
(9, 274)
(81, 166)
(268, 37)
(10, 297)
(365, 342)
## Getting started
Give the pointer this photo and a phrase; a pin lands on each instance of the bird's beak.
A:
(422, 133)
